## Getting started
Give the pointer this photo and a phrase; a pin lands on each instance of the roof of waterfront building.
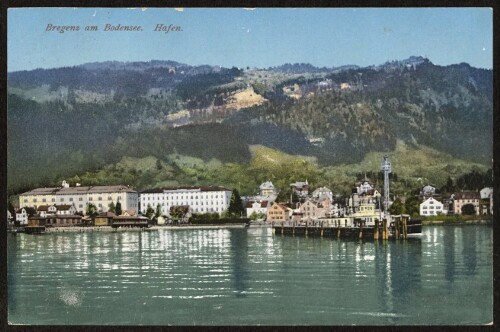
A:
(185, 188)
(125, 218)
(29, 210)
(107, 214)
(41, 191)
(430, 199)
(102, 189)
(152, 191)
(65, 216)
(281, 205)
(467, 195)
(58, 207)
(263, 204)
(78, 190)
(63, 207)
(73, 190)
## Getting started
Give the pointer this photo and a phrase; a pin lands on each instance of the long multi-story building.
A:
(80, 196)
(198, 199)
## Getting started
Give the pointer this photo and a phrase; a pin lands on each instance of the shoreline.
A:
(108, 229)
(456, 222)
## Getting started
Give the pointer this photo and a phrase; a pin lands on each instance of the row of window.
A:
(70, 199)
(100, 198)
(168, 198)
(154, 204)
(207, 210)
(99, 205)
(432, 208)
(469, 200)
(217, 209)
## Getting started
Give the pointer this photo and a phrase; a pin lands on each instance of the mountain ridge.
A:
(337, 115)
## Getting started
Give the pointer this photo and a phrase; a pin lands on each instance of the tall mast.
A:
(386, 168)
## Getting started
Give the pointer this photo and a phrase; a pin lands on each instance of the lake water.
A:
(250, 277)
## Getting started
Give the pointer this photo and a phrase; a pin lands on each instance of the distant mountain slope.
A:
(64, 121)
(448, 108)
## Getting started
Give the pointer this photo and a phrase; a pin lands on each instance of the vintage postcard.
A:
(250, 166)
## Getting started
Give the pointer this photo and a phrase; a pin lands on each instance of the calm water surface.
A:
(249, 277)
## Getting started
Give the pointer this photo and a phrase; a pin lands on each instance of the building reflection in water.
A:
(406, 267)
(239, 255)
(469, 251)
(13, 245)
(460, 241)
(449, 253)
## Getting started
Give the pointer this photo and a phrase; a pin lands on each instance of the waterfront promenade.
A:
(103, 229)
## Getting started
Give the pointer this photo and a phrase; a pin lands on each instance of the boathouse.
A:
(129, 221)
(36, 225)
(104, 219)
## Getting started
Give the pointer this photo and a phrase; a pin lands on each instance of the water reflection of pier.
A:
(398, 270)
(239, 256)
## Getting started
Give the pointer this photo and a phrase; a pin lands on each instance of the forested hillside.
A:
(80, 122)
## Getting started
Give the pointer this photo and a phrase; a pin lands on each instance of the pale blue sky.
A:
(256, 38)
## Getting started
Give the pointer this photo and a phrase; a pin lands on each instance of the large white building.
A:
(100, 196)
(431, 207)
(199, 199)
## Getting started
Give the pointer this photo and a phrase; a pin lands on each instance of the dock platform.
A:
(399, 228)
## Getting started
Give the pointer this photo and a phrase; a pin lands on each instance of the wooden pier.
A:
(399, 228)
(36, 225)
